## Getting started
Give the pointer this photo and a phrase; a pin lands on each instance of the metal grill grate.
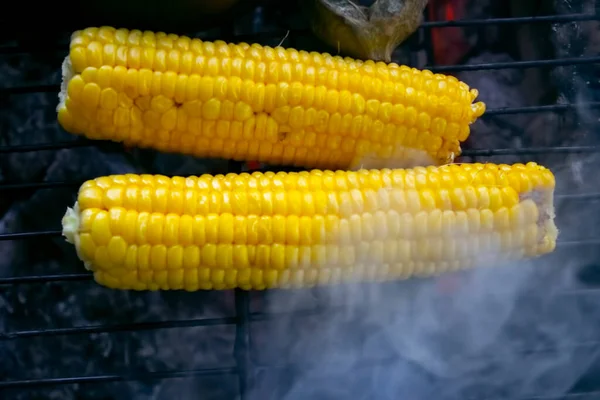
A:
(245, 368)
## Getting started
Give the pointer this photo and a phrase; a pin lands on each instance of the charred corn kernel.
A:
(328, 112)
(300, 229)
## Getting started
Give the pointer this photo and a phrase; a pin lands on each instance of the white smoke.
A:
(516, 331)
(503, 332)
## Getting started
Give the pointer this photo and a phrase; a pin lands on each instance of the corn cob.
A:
(279, 230)
(252, 102)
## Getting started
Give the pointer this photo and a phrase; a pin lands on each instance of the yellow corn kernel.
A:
(329, 112)
(300, 229)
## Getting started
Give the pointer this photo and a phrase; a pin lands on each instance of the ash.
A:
(525, 331)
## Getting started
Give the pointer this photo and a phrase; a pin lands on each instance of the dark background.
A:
(527, 331)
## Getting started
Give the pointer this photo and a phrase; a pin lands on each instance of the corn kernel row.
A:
(195, 279)
(331, 193)
(216, 74)
(119, 253)
(403, 105)
(125, 45)
(295, 202)
(155, 228)
(523, 178)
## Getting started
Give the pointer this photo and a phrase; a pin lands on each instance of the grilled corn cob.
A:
(252, 102)
(257, 231)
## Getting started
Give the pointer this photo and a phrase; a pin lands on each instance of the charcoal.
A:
(188, 348)
(192, 389)
(486, 36)
(81, 304)
(29, 122)
(11, 252)
(37, 68)
(174, 164)
(500, 89)
(590, 274)
(45, 208)
(29, 118)
(578, 83)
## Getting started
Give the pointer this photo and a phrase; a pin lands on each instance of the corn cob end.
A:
(71, 223)
(550, 232)
(67, 73)
(478, 109)
(65, 118)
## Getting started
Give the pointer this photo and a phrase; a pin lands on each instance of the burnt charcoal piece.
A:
(498, 89)
(589, 274)
(578, 83)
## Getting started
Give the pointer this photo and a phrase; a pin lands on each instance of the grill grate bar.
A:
(578, 196)
(573, 243)
(16, 280)
(199, 373)
(494, 111)
(540, 109)
(570, 396)
(197, 322)
(467, 152)
(34, 234)
(70, 144)
(58, 278)
(530, 151)
(153, 325)
(557, 62)
(143, 376)
(565, 18)
(137, 326)
(369, 362)
(38, 185)
(29, 235)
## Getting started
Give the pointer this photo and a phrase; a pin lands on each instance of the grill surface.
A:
(248, 374)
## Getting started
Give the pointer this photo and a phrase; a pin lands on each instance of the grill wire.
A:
(245, 370)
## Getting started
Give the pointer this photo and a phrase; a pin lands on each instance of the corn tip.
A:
(70, 223)
(478, 110)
